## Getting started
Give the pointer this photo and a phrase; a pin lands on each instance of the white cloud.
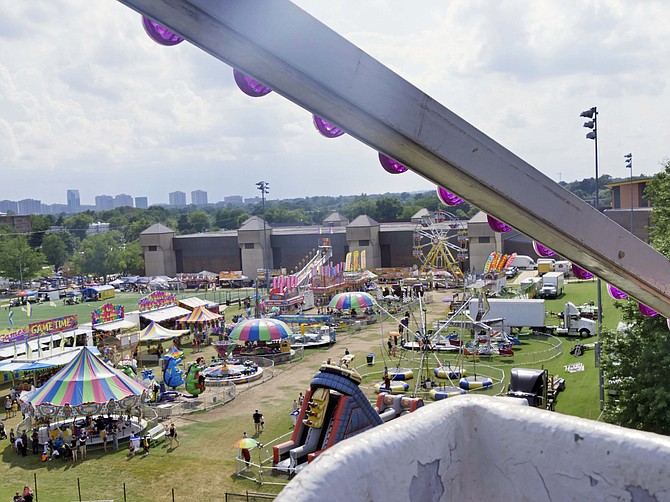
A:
(90, 102)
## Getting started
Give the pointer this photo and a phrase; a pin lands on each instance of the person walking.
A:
(173, 434)
(8, 408)
(73, 448)
(258, 422)
(35, 437)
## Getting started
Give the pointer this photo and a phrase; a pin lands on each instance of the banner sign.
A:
(38, 329)
(157, 300)
(107, 313)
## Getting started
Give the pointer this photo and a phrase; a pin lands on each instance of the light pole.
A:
(592, 113)
(264, 187)
(629, 165)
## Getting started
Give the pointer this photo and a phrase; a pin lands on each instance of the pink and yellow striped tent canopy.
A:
(200, 314)
(156, 332)
(86, 379)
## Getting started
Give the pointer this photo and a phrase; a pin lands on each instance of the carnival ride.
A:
(437, 237)
(428, 344)
(86, 387)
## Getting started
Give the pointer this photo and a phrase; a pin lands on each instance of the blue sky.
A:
(88, 101)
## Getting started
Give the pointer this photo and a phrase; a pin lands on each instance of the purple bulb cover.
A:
(580, 273)
(391, 166)
(447, 198)
(542, 250)
(326, 128)
(646, 311)
(249, 86)
(497, 225)
(615, 293)
(160, 34)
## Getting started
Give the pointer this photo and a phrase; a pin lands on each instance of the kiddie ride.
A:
(334, 409)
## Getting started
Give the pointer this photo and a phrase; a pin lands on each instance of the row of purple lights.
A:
(251, 87)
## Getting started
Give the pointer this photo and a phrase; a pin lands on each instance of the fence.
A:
(249, 497)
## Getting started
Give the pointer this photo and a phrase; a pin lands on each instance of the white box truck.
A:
(511, 313)
(523, 262)
(552, 285)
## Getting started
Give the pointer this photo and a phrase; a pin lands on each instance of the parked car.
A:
(510, 272)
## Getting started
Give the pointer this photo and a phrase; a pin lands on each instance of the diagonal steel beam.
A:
(308, 63)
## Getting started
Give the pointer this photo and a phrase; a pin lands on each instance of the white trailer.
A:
(511, 313)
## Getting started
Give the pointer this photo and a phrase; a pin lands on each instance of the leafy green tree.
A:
(132, 259)
(362, 205)
(199, 221)
(18, 261)
(658, 190)
(635, 361)
(229, 218)
(388, 208)
(78, 223)
(40, 224)
(55, 249)
(100, 254)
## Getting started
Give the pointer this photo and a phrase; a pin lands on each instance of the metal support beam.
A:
(311, 65)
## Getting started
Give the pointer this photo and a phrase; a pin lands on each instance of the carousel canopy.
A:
(55, 358)
(354, 300)
(254, 330)
(86, 380)
(200, 314)
(155, 332)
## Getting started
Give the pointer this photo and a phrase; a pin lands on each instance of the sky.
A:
(89, 102)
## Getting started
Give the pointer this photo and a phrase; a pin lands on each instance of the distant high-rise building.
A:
(252, 200)
(104, 202)
(141, 202)
(177, 198)
(199, 198)
(73, 203)
(57, 209)
(30, 206)
(234, 199)
(123, 200)
(9, 206)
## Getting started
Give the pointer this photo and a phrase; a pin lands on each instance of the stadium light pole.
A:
(629, 165)
(264, 188)
(592, 114)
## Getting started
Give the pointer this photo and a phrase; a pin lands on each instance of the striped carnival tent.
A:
(86, 386)
(257, 330)
(200, 314)
(156, 332)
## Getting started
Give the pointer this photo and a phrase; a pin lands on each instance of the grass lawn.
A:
(44, 311)
(202, 467)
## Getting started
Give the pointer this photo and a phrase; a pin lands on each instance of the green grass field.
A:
(202, 467)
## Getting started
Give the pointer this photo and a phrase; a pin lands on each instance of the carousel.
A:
(89, 395)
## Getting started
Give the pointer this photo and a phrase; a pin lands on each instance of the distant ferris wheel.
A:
(441, 243)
